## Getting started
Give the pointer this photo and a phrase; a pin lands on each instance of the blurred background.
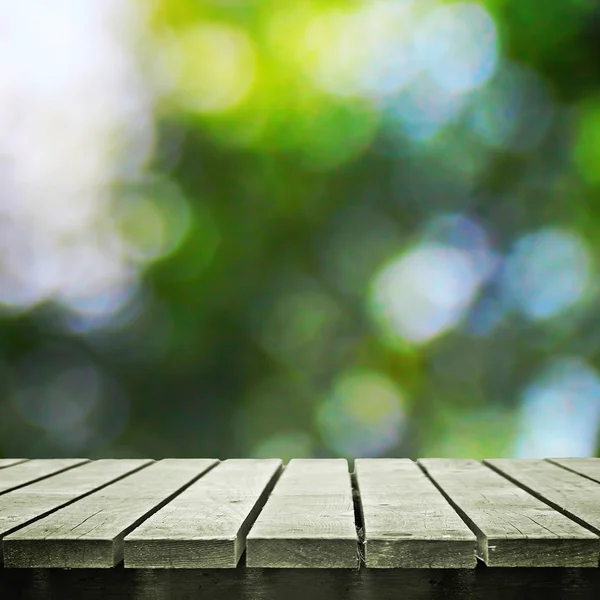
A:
(267, 228)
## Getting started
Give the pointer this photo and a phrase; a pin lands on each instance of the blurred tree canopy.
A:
(302, 228)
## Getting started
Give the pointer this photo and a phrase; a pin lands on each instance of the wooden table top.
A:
(310, 513)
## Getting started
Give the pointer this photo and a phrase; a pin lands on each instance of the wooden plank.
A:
(570, 493)
(513, 528)
(89, 533)
(588, 467)
(33, 470)
(308, 520)
(9, 462)
(206, 525)
(26, 504)
(407, 522)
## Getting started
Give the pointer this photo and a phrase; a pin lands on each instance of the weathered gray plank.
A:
(588, 467)
(89, 533)
(206, 525)
(407, 522)
(513, 528)
(570, 493)
(308, 520)
(9, 462)
(33, 470)
(23, 505)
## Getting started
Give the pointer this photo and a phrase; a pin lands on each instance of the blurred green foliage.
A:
(301, 229)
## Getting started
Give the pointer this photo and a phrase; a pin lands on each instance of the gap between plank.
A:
(18, 461)
(119, 542)
(242, 562)
(72, 501)
(551, 504)
(255, 511)
(481, 539)
(359, 521)
(566, 468)
(41, 478)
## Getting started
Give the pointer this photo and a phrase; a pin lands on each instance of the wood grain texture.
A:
(26, 504)
(513, 528)
(308, 520)
(90, 532)
(9, 462)
(33, 470)
(407, 522)
(588, 467)
(206, 525)
(570, 493)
